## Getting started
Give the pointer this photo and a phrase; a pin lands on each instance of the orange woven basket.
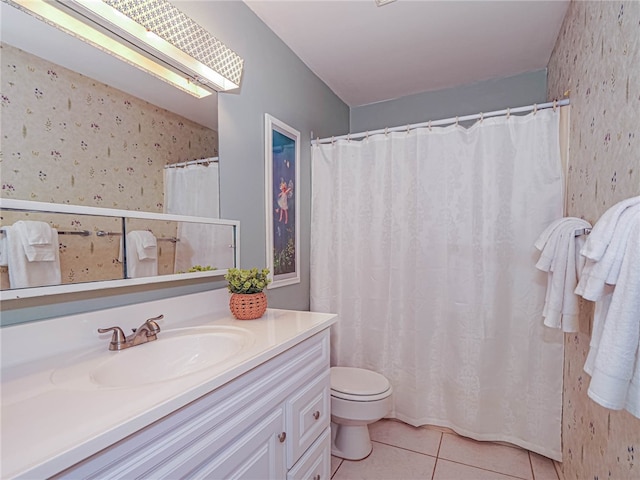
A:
(248, 306)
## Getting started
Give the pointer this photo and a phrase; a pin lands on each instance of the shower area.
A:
(422, 240)
(192, 188)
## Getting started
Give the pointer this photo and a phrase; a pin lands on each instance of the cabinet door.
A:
(308, 414)
(259, 453)
(315, 464)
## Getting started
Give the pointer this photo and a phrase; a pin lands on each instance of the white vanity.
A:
(257, 407)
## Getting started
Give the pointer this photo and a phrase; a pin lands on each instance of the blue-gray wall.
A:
(277, 82)
(490, 95)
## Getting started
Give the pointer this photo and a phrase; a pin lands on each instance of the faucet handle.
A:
(154, 328)
(117, 339)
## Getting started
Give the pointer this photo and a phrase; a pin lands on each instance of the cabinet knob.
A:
(282, 437)
(316, 415)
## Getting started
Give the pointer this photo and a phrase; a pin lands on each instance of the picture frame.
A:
(282, 202)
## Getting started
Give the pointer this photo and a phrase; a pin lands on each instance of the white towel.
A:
(558, 257)
(145, 244)
(615, 381)
(37, 240)
(4, 245)
(597, 273)
(603, 230)
(141, 261)
(24, 273)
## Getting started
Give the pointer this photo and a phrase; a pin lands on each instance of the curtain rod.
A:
(205, 161)
(102, 233)
(446, 121)
(82, 233)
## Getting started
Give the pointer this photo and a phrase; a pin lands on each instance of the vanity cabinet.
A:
(272, 422)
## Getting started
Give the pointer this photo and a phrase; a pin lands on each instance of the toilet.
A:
(358, 397)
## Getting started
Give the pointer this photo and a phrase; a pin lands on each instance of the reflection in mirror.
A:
(43, 248)
(170, 247)
(48, 248)
(81, 127)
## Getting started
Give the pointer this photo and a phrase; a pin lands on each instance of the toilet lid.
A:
(358, 381)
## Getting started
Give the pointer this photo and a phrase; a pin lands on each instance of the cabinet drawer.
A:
(307, 416)
(316, 463)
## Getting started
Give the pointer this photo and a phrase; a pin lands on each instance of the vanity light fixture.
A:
(152, 35)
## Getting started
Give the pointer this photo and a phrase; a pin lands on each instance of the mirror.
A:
(80, 127)
(90, 248)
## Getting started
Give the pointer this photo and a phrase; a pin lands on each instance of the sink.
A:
(173, 355)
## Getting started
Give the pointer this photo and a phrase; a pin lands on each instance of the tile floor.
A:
(403, 452)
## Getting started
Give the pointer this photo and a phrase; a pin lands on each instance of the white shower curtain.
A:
(422, 242)
(193, 190)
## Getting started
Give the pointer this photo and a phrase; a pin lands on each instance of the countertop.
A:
(48, 426)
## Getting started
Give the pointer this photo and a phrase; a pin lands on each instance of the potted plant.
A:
(247, 301)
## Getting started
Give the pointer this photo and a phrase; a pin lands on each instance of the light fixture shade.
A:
(169, 23)
(152, 35)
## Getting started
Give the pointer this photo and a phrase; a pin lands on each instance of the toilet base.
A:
(350, 442)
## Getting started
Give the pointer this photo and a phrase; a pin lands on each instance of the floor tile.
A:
(446, 470)
(385, 463)
(399, 434)
(335, 463)
(489, 456)
(543, 468)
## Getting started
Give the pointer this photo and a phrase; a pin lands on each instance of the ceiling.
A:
(368, 54)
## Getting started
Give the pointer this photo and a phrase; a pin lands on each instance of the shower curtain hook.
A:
(367, 137)
(429, 125)
(333, 141)
(386, 131)
(349, 137)
(555, 104)
(408, 129)
(508, 113)
(457, 121)
(481, 117)
(535, 108)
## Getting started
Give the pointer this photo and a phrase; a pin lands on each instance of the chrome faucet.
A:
(147, 332)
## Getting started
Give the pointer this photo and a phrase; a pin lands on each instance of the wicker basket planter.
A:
(248, 306)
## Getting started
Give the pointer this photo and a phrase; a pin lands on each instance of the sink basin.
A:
(173, 355)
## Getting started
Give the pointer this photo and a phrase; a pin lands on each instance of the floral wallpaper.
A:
(597, 61)
(69, 139)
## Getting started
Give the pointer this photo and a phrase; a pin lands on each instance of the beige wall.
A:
(69, 139)
(597, 59)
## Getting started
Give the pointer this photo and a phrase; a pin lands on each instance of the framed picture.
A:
(282, 180)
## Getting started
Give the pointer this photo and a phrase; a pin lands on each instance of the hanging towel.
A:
(606, 269)
(559, 247)
(24, 273)
(37, 240)
(4, 245)
(141, 261)
(603, 230)
(614, 364)
(145, 243)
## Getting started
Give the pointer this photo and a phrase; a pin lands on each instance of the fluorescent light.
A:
(163, 59)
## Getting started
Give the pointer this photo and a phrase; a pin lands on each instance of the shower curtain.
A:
(193, 190)
(422, 242)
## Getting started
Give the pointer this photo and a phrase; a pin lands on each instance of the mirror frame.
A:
(27, 205)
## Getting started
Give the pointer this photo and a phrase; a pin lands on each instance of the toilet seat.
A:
(358, 385)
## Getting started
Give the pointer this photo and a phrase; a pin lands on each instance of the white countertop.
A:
(47, 427)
